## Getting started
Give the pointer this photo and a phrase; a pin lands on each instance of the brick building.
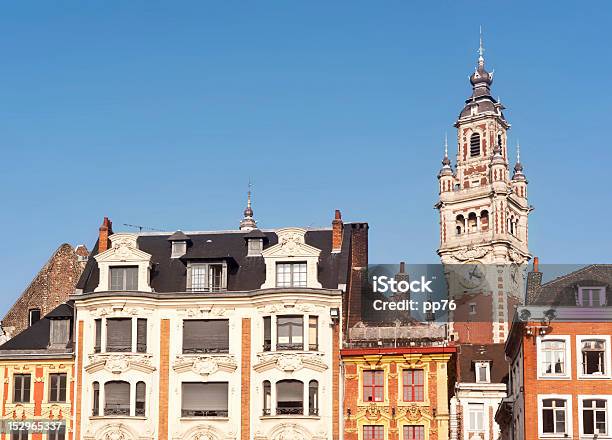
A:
(52, 286)
(561, 366)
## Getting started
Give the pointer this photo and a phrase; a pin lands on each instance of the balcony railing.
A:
(205, 350)
(289, 409)
(116, 410)
(204, 413)
(297, 347)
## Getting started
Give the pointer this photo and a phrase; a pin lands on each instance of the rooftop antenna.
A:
(141, 227)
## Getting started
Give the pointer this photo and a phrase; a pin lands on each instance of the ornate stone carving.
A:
(470, 253)
(120, 363)
(205, 365)
(289, 431)
(289, 362)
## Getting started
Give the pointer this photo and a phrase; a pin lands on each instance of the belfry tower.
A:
(483, 217)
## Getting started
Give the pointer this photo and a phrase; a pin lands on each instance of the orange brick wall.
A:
(79, 381)
(164, 368)
(245, 405)
(336, 382)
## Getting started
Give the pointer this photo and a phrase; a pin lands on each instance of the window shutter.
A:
(119, 334)
(205, 336)
(117, 394)
(141, 335)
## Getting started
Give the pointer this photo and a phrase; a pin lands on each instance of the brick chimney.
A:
(337, 231)
(106, 230)
(534, 282)
(358, 276)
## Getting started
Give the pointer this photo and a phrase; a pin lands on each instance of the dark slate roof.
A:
(179, 236)
(255, 233)
(244, 273)
(36, 337)
(468, 354)
(562, 290)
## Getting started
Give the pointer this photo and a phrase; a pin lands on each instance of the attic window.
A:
(475, 145)
(34, 317)
(179, 248)
(254, 247)
(60, 333)
(483, 372)
(591, 296)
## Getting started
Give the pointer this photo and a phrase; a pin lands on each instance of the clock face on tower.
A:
(471, 274)
(514, 276)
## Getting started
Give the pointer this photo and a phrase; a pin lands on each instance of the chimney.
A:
(337, 230)
(106, 230)
(534, 282)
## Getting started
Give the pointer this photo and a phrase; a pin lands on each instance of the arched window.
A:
(484, 220)
(472, 222)
(267, 398)
(499, 140)
(475, 145)
(459, 224)
(313, 398)
(116, 398)
(140, 398)
(289, 397)
(96, 400)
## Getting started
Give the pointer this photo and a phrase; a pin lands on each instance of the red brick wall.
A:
(358, 273)
(164, 380)
(245, 386)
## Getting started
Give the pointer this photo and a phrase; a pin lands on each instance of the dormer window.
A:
(483, 372)
(591, 297)
(254, 247)
(291, 274)
(60, 333)
(179, 248)
(123, 278)
(206, 277)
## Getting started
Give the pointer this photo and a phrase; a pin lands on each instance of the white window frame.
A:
(483, 429)
(206, 267)
(569, 428)
(602, 296)
(607, 357)
(487, 366)
(568, 357)
(608, 399)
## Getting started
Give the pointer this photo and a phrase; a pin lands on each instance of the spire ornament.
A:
(518, 167)
(248, 223)
(446, 168)
(481, 50)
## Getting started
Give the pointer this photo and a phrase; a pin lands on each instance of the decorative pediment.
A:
(291, 243)
(289, 362)
(120, 363)
(204, 365)
(123, 249)
(205, 432)
(471, 253)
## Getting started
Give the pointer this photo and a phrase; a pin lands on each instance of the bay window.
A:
(290, 333)
(204, 399)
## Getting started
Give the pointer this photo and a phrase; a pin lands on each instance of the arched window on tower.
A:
(475, 145)
(499, 140)
(459, 224)
(472, 222)
(484, 220)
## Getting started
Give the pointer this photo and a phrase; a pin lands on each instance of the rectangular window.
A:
(373, 386)
(98, 336)
(116, 398)
(21, 388)
(313, 333)
(57, 387)
(476, 417)
(553, 357)
(124, 278)
(594, 416)
(119, 335)
(204, 399)
(34, 316)
(554, 416)
(414, 432)
(215, 272)
(21, 434)
(57, 434)
(593, 352)
(59, 333)
(591, 297)
(482, 372)
(290, 274)
(206, 277)
(96, 399)
(414, 385)
(373, 432)
(206, 336)
(141, 335)
(290, 333)
(267, 322)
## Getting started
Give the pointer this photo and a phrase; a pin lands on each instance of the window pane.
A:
(290, 333)
(119, 334)
(117, 398)
(206, 336)
(267, 322)
(313, 333)
(198, 277)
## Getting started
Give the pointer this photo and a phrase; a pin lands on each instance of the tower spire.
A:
(518, 167)
(481, 50)
(446, 168)
(248, 223)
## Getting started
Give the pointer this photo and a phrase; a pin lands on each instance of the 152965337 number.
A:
(33, 426)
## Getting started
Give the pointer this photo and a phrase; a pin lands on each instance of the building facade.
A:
(37, 373)
(213, 335)
(484, 248)
(560, 359)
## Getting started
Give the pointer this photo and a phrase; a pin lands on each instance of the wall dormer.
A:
(124, 267)
(291, 262)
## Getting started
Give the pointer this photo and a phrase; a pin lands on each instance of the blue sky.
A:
(157, 113)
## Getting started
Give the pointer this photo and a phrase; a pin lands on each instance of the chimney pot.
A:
(337, 229)
(105, 231)
(536, 264)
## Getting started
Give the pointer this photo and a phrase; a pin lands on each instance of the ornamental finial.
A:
(481, 50)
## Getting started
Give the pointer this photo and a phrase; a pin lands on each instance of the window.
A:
(57, 434)
(593, 353)
(472, 222)
(290, 274)
(475, 145)
(313, 398)
(33, 317)
(204, 399)
(179, 248)
(117, 398)
(59, 333)
(373, 432)
(553, 357)
(141, 335)
(267, 322)
(206, 277)
(373, 385)
(459, 224)
(414, 432)
(289, 397)
(96, 400)
(255, 246)
(119, 334)
(594, 416)
(140, 398)
(21, 388)
(206, 336)
(554, 416)
(267, 398)
(124, 278)
(483, 372)
(313, 331)
(476, 417)
(57, 387)
(21, 434)
(414, 385)
(98, 335)
(290, 333)
(591, 297)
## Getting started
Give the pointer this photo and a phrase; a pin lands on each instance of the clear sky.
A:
(157, 113)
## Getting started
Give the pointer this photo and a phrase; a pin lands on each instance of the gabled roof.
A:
(562, 290)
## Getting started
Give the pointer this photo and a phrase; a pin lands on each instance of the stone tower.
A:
(483, 218)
